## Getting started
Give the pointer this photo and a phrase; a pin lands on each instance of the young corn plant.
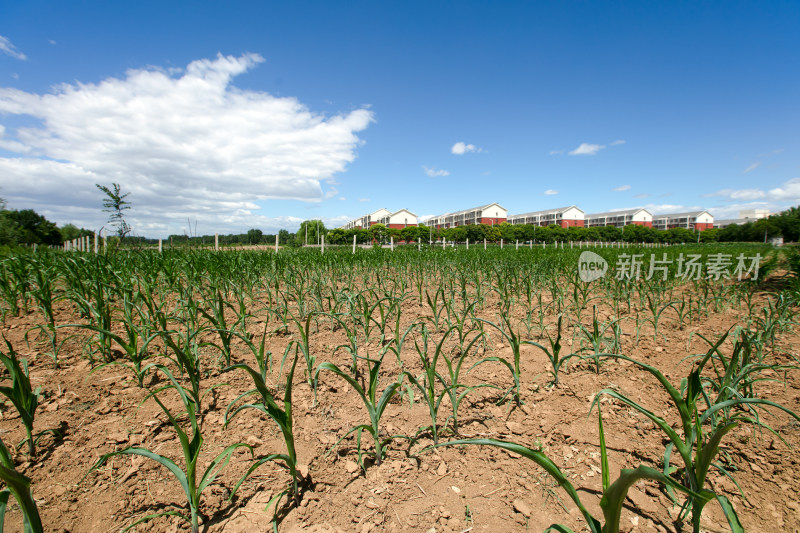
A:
(375, 406)
(19, 486)
(554, 352)
(134, 342)
(614, 494)
(514, 365)
(281, 415)
(24, 398)
(192, 481)
(597, 338)
(699, 445)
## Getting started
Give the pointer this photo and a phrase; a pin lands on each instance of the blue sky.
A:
(262, 114)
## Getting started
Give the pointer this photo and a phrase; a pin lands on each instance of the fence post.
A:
(484, 243)
(323, 244)
(160, 246)
(276, 243)
(216, 242)
(517, 247)
(354, 243)
(501, 243)
(391, 244)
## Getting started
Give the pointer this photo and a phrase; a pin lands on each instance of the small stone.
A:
(456, 489)
(254, 441)
(522, 508)
(303, 470)
(351, 466)
(442, 470)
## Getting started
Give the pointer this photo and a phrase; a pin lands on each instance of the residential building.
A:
(695, 220)
(561, 216)
(620, 219)
(367, 220)
(399, 219)
(486, 214)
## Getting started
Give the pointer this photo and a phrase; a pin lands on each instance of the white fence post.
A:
(391, 243)
(216, 242)
(354, 243)
(467, 243)
(517, 247)
(323, 244)
(160, 246)
(501, 243)
(276, 243)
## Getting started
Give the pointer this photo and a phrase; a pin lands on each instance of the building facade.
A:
(491, 214)
(367, 220)
(695, 220)
(398, 220)
(562, 216)
(620, 219)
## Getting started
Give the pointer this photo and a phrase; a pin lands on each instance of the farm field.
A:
(368, 360)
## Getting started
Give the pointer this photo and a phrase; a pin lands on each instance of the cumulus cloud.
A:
(621, 188)
(587, 149)
(461, 148)
(433, 173)
(551, 192)
(10, 50)
(184, 143)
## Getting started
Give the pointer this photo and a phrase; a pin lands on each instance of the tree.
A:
(255, 236)
(378, 232)
(115, 204)
(29, 227)
(310, 232)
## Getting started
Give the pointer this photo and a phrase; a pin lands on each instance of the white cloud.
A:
(51, 41)
(363, 199)
(184, 144)
(587, 149)
(461, 148)
(621, 188)
(751, 167)
(10, 50)
(433, 173)
(556, 152)
(551, 192)
(641, 195)
(617, 143)
(789, 192)
(740, 194)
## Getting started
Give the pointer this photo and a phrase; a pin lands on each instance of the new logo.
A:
(591, 266)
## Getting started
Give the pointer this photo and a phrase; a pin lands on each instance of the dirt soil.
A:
(450, 489)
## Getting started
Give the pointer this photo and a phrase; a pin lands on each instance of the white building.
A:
(699, 220)
(367, 220)
(399, 219)
(486, 214)
(620, 219)
(560, 216)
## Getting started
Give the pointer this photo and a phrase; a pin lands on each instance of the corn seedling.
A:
(19, 486)
(514, 365)
(192, 486)
(375, 406)
(554, 352)
(697, 448)
(24, 398)
(281, 415)
(614, 494)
